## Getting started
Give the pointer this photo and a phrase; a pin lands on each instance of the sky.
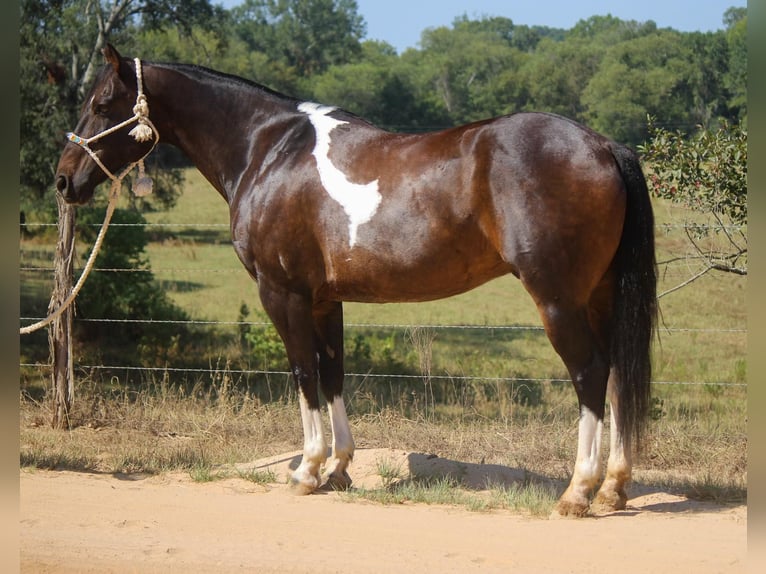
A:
(400, 22)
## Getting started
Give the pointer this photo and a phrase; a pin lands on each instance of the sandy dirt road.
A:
(95, 523)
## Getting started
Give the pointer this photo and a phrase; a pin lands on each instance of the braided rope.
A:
(144, 131)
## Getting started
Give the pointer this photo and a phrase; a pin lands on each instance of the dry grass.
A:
(208, 428)
(696, 444)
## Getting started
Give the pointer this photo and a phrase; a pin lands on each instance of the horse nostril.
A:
(62, 184)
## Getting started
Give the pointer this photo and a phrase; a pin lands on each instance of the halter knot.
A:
(142, 132)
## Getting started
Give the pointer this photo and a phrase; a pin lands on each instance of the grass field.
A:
(697, 438)
(207, 279)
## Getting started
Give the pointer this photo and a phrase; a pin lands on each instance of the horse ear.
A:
(112, 56)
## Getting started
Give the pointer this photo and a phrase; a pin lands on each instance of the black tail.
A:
(635, 306)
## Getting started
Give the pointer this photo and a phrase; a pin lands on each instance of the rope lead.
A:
(142, 186)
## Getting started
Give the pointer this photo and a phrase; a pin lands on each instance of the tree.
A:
(706, 173)
(107, 294)
(60, 46)
(557, 75)
(735, 77)
(309, 35)
(609, 30)
(467, 71)
(646, 75)
(377, 88)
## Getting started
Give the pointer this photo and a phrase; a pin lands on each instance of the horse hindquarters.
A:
(588, 263)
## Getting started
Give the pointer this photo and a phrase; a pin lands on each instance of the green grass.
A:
(209, 281)
(204, 421)
(533, 498)
(197, 267)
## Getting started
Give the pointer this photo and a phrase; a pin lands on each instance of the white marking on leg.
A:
(342, 445)
(314, 447)
(342, 442)
(359, 201)
(588, 466)
(612, 496)
(619, 454)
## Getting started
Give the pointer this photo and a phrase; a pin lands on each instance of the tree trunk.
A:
(60, 331)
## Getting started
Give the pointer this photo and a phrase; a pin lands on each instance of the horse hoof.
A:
(610, 501)
(302, 487)
(338, 481)
(568, 509)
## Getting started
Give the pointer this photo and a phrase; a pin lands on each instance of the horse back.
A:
(367, 215)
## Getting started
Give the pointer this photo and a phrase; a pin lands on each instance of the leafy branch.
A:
(706, 173)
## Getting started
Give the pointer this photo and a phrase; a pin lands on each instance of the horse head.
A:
(103, 141)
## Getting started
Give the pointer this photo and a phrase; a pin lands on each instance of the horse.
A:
(326, 207)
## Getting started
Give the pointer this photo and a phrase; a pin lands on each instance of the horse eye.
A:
(100, 109)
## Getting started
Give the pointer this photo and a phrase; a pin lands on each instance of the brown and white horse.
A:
(326, 208)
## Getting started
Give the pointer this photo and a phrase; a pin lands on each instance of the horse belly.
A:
(367, 277)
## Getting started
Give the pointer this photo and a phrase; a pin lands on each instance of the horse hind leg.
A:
(611, 495)
(569, 331)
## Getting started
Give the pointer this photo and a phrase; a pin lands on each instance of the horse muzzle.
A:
(69, 192)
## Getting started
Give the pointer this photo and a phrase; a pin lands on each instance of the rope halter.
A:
(144, 131)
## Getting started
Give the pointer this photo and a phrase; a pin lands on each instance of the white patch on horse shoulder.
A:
(359, 201)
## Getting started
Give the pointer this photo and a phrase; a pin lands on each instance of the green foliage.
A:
(647, 74)
(60, 43)
(109, 294)
(735, 77)
(261, 341)
(558, 74)
(706, 172)
(467, 72)
(380, 88)
(308, 35)
(609, 30)
(47, 104)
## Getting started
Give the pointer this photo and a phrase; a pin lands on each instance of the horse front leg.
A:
(305, 479)
(292, 316)
(328, 321)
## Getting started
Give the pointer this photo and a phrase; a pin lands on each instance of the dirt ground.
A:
(96, 523)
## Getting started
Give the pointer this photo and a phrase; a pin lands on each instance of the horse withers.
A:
(326, 208)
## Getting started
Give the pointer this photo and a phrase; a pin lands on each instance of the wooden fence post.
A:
(60, 331)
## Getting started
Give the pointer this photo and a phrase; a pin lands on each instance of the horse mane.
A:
(203, 74)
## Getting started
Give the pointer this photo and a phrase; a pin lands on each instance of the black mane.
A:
(201, 73)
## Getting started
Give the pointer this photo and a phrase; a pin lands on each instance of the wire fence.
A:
(37, 270)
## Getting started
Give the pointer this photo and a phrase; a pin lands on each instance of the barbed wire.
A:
(683, 269)
(399, 326)
(396, 326)
(666, 226)
(471, 378)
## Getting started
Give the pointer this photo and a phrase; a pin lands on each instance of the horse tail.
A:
(635, 304)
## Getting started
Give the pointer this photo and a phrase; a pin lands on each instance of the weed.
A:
(390, 472)
(255, 476)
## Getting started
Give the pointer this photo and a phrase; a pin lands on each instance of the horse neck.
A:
(215, 121)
